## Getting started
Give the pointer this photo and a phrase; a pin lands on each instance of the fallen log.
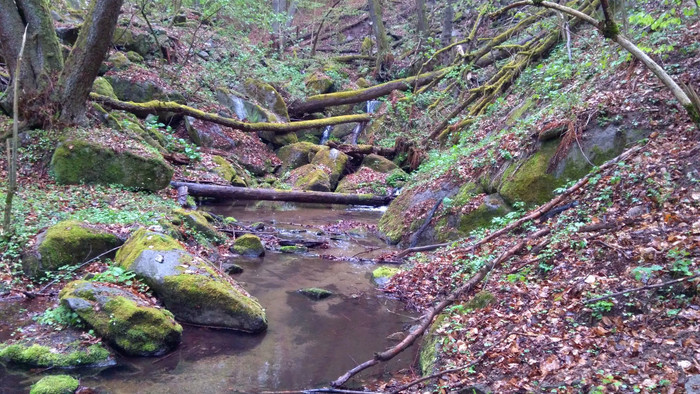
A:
(320, 101)
(164, 107)
(244, 193)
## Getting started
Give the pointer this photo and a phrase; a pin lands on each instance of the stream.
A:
(308, 343)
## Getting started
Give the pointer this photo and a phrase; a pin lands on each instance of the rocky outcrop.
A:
(78, 160)
(67, 243)
(208, 134)
(379, 163)
(128, 88)
(131, 324)
(188, 285)
(142, 43)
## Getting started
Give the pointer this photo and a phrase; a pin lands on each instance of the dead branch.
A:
(163, 107)
(636, 289)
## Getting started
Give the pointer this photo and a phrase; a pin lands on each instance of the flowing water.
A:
(308, 343)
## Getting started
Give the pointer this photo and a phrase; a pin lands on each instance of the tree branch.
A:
(636, 289)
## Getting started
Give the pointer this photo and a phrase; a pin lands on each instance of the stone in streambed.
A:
(188, 286)
(315, 293)
(55, 384)
(248, 245)
(129, 323)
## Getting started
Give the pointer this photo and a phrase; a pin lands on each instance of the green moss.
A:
(482, 216)
(79, 161)
(266, 95)
(334, 160)
(384, 272)
(55, 384)
(315, 293)
(42, 356)
(294, 249)
(480, 300)
(200, 293)
(134, 57)
(141, 240)
(119, 61)
(296, 155)
(531, 183)
(430, 346)
(318, 83)
(103, 87)
(248, 245)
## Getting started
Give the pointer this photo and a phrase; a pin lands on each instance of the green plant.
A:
(681, 263)
(601, 307)
(59, 318)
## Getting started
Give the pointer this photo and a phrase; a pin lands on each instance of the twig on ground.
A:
(636, 289)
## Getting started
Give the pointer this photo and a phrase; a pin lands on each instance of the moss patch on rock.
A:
(318, 83)
(198, 222)
(248, 245)
(67, 243)
(381, 275)
(311, 177)
(103, 87)
(80, 161)
(129, 323)
(333, 159)
(529, 181)
(227, 171)
(294, 249)
(34, 355)
(430, 347)
(492, 207)
(55, 384)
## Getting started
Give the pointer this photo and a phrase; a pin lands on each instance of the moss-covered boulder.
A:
(529, 181)
(119, 61)
(293, 249)
(198, 222)
(318, 83)
(333, 159)
(311, 177)
(129, 88)
(315, 293)
(103, 87)
(188, 285)
(407, 211)
(381, 275)
(55, 384)
(130, 323)
(248, 245)
(492, 206)
(81, 161)
(296, 155)
(142, 43)
(67, 355)
(67, 243)
(379, 163)
(134, 57)
(231, 172)
(268, 97)
(365, 181)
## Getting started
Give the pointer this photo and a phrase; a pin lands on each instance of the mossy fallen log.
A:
(244, 193)
(321, 101)
(164, 107)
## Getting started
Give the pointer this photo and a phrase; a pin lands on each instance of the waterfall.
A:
(370, 107)
(326, 135)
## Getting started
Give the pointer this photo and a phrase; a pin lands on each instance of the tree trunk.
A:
(376, 15)
(422, 23)
(49, 86)
(244, 193)
(85, 59)
(42, 58)
(447, 16)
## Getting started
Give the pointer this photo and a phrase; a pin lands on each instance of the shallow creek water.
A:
(308, 343)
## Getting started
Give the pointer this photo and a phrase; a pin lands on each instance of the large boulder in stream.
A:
(67, 243)
(130, 323)
(248, 245)
(82, 160)
(188, 285)
(310, 177)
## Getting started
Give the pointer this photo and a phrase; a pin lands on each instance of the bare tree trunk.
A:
(447, 16)
(85, 59)
(422, 23)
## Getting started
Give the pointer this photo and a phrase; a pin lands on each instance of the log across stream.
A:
(308, 344)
